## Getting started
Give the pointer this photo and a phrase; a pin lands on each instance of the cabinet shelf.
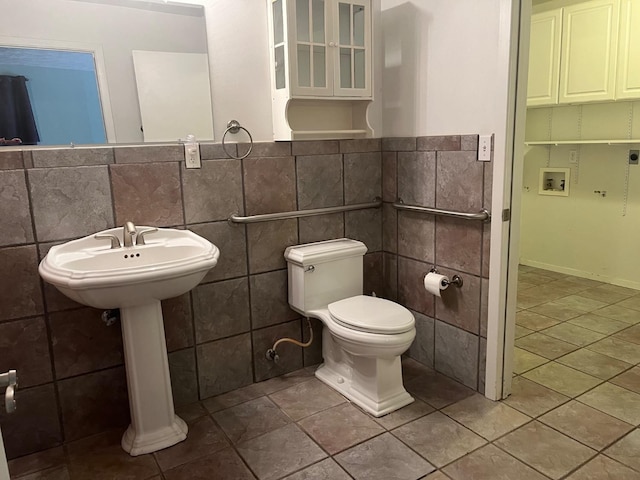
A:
(328, 134)
(583, 142)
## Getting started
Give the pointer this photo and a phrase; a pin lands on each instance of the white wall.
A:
(450, 68)
(441, 67)
(239, 62)
(118, 30)
(584, 234)
(437, 66)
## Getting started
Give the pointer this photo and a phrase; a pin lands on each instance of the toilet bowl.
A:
(363, 337)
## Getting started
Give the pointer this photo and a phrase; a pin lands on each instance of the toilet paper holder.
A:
(455, 280)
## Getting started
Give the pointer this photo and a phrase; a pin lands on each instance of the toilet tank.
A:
(324, 272)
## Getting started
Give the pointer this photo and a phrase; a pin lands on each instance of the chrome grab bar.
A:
(483, 215)
(266, 217)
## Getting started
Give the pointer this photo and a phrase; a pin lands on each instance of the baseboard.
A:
(582, 274)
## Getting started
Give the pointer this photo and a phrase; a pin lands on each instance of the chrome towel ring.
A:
(234, 127)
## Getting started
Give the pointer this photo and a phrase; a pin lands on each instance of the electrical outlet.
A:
(192, 155)
(573, 156)
(484, 148)
(633, 157)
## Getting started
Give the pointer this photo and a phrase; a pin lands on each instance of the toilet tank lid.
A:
(320, 252)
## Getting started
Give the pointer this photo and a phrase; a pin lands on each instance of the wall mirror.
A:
(103, 71)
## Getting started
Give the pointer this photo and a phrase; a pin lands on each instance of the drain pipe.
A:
(272, 354)
(109, 317)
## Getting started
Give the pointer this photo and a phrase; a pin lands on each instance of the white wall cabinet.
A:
(589, 50)
(544, 58)
(593, 48)
(628, 73)
(321, 70)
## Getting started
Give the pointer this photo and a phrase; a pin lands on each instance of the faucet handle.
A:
(115, 241)
(9, 378)
(140, 236)
(9, 381)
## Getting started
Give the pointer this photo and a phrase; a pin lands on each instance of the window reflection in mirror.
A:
(49, 97)
(111, 30)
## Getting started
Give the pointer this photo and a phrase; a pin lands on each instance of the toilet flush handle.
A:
(310, 269)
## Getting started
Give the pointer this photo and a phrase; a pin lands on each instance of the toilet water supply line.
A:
(272, 354)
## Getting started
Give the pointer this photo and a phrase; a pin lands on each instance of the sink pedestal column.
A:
(154, 424)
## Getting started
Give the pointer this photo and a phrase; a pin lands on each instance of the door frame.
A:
(513, 63)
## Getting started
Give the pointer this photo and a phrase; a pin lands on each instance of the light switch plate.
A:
(484, 148)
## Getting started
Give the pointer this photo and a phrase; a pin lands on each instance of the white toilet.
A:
(362, 337)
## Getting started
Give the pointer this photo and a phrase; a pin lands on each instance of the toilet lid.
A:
(372, 315)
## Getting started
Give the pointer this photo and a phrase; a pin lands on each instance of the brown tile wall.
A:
(72, 379)
(439, 172)
(70, 364)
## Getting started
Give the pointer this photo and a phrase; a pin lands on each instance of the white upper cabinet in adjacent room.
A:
(628, 77)
(585, 52)
(321, 73)
(589, 51)
(544, 58)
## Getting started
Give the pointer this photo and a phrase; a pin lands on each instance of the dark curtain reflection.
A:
(16, 115)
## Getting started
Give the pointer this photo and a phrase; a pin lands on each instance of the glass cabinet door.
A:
(279, 53)
(327, 44)
(353, 23)
(312, 71)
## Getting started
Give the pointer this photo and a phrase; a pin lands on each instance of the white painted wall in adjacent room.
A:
(584, 234)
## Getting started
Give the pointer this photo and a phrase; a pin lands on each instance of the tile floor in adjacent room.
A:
(574, 413)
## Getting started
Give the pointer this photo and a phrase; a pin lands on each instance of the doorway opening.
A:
(577, 316)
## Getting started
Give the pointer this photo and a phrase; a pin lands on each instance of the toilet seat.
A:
(371, 315)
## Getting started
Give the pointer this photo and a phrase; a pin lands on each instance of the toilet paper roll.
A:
(434, 283)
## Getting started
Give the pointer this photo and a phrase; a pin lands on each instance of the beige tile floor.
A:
(574, 413)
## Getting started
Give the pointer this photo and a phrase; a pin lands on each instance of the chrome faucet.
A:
(9, 381)
(128, 232)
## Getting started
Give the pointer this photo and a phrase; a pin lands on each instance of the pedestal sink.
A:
(101, 274)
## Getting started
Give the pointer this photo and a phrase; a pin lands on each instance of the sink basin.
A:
(90, 272)
(135, 279)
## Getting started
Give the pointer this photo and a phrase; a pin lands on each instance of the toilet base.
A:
(374, 384)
